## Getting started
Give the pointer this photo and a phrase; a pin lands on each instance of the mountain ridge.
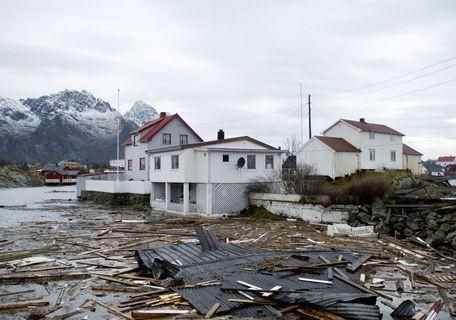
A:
(69, 124)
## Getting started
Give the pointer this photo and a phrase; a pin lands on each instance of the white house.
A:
(166, 131)
(412, 160)
(445, 161)
(209, 177)
(358, 145)
(330, 156)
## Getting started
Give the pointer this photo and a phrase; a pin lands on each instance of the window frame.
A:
(372, 135)
(174, 156)
(183, 136)
(135, 140)
(142, 164)
(227, 159)
(164, 140)
(393, 152)
(250, 156)
(157, 162)
(129, 164)
(271, 157)
(371, 154)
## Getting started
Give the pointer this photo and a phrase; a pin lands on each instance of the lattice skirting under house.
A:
(228, 197)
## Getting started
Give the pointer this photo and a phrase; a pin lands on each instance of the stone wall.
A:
(117, 199)
(435, 224)
(290, 206)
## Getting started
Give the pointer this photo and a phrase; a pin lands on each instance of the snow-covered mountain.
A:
(15, 118)
(67, 125)
(141, 113)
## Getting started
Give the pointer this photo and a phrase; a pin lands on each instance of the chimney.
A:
(220, 135)
(162, 114)
(362, 120)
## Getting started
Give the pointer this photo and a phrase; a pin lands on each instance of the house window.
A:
(166, 138)
(226, 158)
(142, 163)
(135, 140)
(183, 139)
(251, 162)
(269, 162)
(372, 154)
(175, 162)
(157, 163)
(371, 135)
(393, 156)
(130, 165)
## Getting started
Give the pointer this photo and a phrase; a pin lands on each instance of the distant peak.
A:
(141, 112)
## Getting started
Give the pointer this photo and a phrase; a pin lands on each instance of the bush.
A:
(363, 190)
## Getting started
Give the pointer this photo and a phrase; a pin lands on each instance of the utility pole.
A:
(118, 129)
(300, 93)
(310, 120)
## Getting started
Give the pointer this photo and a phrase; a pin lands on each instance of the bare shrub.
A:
(302, 180)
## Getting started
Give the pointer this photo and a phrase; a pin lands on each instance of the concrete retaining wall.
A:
(290, 206)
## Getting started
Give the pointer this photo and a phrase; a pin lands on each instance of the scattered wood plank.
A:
(36, 278)
(6, 294)
(115, 289)
(112, 279)
(213, 310)
(316, 281)
(362, 288)
(449, 304)
(24, 304)
(60, 297)
(113, 310)
(359, 262)
(337, 270)
(255, 301)
(152, 314)
(74, 292)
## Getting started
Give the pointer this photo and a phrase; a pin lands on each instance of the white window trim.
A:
(155, 163)
(178, 162)
(371, 152)
(254, 157)
(265, 163)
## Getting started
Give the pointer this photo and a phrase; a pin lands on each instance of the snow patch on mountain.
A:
(141, 113)
(15, 118)
(80, 109)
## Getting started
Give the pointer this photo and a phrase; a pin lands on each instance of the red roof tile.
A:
(338, 144)
(151, 128)
(410, 151)
(446, 159)
(372, 127)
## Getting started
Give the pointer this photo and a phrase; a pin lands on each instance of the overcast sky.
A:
(237, 65)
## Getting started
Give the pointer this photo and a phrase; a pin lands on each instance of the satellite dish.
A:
(241, 162)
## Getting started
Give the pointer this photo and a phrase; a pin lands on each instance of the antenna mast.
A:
(118, 129)
(300, 93)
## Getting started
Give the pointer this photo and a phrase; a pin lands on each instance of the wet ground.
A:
(77, 244)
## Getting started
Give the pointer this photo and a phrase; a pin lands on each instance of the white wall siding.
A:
(166, 173)
(383, 144)
(228, 172)
(345, 131)
(320, 156)
(136, 187)
(412, 163)
(346, 163)
(175, 128)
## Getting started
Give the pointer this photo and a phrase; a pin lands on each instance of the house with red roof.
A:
(166, 131)
(445, 161)
(349, 145)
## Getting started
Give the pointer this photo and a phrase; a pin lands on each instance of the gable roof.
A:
(372, 127)
(410, 151)
(338, 144)
(446, 159)
(214, 142)
(151, 128)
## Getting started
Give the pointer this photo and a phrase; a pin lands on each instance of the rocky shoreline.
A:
(16, 177)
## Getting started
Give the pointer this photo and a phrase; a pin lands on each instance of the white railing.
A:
(136, 187)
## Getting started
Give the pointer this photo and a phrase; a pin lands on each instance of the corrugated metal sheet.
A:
(355, 311)
(229, 263)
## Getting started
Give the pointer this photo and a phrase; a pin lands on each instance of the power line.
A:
(268, 128)
(389, 79)
(394, 96)
(396, 84)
